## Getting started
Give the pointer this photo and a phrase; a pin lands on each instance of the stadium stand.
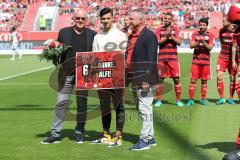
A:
(11, 14)
(28, 24)
(186, 12)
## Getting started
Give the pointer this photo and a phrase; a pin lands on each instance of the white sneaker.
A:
(105, 139)
(116, 141)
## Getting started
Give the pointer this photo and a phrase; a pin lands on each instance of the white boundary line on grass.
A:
(25, 73)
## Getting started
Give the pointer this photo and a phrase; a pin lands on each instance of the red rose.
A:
(52, 44)
(60, 44)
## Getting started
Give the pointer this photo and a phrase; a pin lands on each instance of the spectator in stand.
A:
(3, 25)
(127, 25)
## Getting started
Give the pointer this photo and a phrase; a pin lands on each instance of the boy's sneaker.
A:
(231, 101)
(221, 101)
(179, 103)
(51, 139)
(204, 102)
(190, 102)
(152, 142)
(158, 103)
(79, 138)
(105, 139)
(116, 141)
(141, 145)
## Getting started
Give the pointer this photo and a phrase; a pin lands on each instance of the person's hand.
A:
(234, 65)
(201, 43)
(169, 34)
(145, 86)
(196, 44)
(164, 38)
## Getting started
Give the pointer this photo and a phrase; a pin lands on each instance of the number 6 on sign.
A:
(85, 70)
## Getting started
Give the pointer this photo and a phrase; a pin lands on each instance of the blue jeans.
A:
(62, 106)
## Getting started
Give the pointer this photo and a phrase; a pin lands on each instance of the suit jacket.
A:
(68, 63)
(144, 58)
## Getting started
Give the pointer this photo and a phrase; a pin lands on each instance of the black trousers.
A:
(81, 97)
(116, 95)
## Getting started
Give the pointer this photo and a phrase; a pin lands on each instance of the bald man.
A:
(81, 39)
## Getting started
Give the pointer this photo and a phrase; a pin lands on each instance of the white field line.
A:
(25, 73)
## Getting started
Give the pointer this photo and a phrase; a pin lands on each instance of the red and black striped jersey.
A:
(236, 40)
(226, 39)
(201, 54)
(167, 50)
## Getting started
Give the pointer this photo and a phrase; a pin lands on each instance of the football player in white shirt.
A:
(15, 42)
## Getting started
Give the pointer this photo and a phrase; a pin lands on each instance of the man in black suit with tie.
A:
(80, 39)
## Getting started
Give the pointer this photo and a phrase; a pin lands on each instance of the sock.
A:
(192, 89)
(238, 89)
(13, 55)
(159, 91)
(238, 140)
(220, 86)
(178, 91)
(20, 55)
(204, 91)
(232, 89)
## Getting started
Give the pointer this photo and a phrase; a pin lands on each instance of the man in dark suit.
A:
(80, 39)
(142, 55)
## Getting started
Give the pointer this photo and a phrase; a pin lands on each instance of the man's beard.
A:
(202, 30)
(167, 25)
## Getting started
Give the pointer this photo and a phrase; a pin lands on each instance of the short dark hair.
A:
(203, 20)
(106, 11)
(169, 14)
(13, 29)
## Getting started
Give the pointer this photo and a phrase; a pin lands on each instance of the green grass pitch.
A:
(182, 133)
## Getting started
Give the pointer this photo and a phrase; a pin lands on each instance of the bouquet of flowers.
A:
(54, 51)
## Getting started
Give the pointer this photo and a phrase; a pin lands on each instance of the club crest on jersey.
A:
(227, 40)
